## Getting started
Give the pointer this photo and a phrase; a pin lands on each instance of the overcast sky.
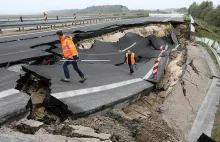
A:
(38, 6)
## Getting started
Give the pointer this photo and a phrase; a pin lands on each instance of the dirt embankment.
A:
(113, 127)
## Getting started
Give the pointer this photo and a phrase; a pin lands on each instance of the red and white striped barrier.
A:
(100, 14)
(156, 63)
(155, 68)
(74, 16)
(45, 16)
(161, 50)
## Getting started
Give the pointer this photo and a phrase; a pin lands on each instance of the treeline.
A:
(206, 12)
(92, 10)
(181, 10)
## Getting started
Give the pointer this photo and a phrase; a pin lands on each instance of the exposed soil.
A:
(159, 30)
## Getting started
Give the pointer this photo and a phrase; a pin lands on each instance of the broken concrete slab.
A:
(129, 40)
(8, 135)
(33, 40)
(28, 126)
(103, 77)
(100, 85)
(12, 102)
(86, 132)
(80, 132)
(11, 138)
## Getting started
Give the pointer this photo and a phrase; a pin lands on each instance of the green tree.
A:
(206, 8)
(205, 11)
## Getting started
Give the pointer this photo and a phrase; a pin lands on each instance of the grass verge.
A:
(216, 126)
(205, 30)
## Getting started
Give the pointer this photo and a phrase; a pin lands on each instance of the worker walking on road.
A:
(71, 56)
(130, 59)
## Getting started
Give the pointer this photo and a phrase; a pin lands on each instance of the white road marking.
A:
(166, 47)
(177, 46)
(73, 93)
(174, 49)
(17, 52)
(8, 92)
(88, 60)
(95, 60)
(129, 47)
(99, 54)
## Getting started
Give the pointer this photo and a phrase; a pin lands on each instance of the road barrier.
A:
(155, 68)
(157, 61)
(53, 24)
(213, 45)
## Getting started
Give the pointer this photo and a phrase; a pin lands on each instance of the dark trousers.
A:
(75, 66)
(131, 68)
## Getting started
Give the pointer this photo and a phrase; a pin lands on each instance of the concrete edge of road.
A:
(205, 118)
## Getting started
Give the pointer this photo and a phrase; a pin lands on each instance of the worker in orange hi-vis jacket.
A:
(71, 56)
(130, 59)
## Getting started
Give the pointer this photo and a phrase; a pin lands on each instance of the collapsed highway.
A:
(108, 86)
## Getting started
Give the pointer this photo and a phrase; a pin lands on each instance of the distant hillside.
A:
(92, 10)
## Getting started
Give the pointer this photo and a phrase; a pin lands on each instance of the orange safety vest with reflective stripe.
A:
(69, 49)
(132, 58)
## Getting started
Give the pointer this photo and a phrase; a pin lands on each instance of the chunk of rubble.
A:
(79, 131)
(28, 126)
(88, 132)
(8, 135)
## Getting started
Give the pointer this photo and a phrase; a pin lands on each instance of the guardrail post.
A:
(0, 31)
(40, 27)
(51, 26)
(19, 29)
(83, 22)
(37, 27)
(54, 26)
(22, 28)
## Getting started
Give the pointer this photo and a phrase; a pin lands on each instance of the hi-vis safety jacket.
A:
(132, 58)
(69, 49)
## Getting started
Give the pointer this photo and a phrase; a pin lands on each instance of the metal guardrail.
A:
(5, 21)
(213, 50)
(52, 24)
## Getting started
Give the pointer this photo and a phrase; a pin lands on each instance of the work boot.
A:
(65, 80)
(131, 72)
(83, 79)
